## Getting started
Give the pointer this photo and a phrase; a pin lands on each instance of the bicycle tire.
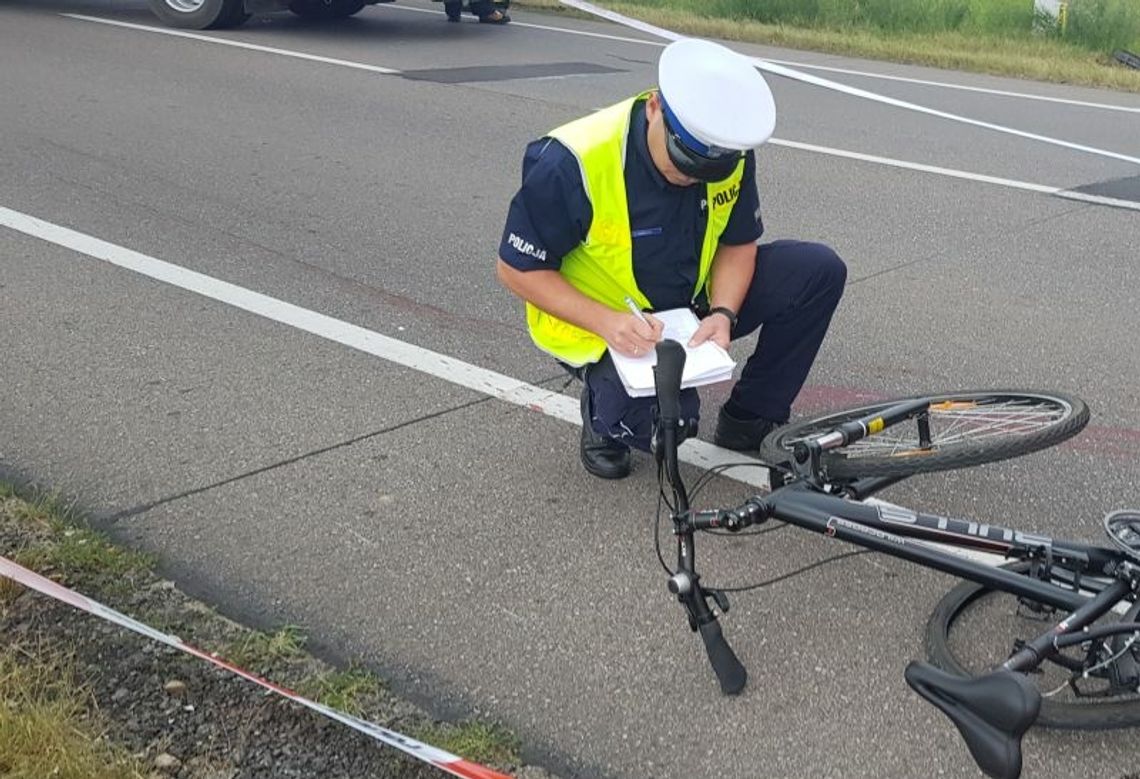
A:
(964, 419)
(1061, 714)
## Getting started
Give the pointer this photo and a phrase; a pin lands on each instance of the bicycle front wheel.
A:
(966, 428)
(973, 628)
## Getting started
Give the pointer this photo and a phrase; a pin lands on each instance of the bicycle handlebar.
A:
(752, 512)
(667, 380)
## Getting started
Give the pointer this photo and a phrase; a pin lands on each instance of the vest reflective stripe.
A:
(601, 267)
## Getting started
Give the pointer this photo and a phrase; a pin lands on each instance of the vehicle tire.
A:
(967, 428)
(326, 9)
(974, 627)
(200, 14)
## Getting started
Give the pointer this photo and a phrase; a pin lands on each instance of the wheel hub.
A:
(185, 6)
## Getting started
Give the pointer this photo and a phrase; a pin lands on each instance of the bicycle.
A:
(824, 468)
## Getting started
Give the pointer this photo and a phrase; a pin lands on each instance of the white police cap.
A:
(717, 95)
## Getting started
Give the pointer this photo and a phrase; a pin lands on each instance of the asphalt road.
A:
(451, 539)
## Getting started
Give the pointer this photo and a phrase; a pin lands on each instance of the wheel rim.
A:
(953, 422)
(185, 6)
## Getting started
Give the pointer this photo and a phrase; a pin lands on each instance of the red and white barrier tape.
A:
(445, 761)
(780, 70)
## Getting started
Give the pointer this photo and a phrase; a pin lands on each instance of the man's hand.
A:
(628, 335)
(715, 328)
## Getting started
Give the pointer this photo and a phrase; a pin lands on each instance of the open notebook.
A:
(704, 364)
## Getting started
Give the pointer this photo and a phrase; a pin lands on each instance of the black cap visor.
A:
(696, 165)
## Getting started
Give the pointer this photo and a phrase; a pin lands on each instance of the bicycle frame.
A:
(992, 712)
(902, 533)
(896, 531)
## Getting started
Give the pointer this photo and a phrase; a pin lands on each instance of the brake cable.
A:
(1085, 673)
(703, 481)
(790, 574)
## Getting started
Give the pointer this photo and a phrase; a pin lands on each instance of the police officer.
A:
(655, 198)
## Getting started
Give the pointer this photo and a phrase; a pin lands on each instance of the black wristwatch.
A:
(728, 312)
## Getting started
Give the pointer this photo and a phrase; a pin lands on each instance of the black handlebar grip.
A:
(667, 378)
(729, 671)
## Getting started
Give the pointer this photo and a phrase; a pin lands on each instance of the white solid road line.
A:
(835, 86)
(959, 174)
(488, 382)
(962, 87)
(1084, 197)
(237, 44)
(808, 66)
(496, 385)
(918, 166)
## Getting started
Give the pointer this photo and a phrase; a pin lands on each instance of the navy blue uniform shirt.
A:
(550, 215)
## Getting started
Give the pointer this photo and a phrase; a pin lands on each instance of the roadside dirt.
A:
(180, 716)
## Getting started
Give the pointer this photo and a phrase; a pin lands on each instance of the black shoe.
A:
(741, 435)
(601, 455)
(452, 10)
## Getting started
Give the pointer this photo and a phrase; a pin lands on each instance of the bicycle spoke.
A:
(967, 428)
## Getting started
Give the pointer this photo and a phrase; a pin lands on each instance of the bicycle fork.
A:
(686, 585)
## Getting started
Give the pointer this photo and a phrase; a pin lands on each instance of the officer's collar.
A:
(639, 135)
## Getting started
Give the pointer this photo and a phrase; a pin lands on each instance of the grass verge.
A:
(259, 652)
(1041, 58)
(350, 690)
(484, 743)
(56, 544)
(45, 706)
(45, 727)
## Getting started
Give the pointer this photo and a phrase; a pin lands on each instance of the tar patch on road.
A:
(1120, 189)
(508, 72)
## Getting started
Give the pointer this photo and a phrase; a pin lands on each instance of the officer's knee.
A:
(829, 268)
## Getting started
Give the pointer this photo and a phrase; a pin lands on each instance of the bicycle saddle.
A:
(991, 712)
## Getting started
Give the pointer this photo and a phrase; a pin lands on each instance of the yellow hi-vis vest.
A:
(602, 266)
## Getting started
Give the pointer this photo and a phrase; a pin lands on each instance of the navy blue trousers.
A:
(795, 290)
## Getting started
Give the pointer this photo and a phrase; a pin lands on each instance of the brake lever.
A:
(721, 599)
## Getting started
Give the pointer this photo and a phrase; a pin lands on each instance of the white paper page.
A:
(704, 364)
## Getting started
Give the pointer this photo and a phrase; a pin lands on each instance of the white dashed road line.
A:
(237, 44)
(806, 147)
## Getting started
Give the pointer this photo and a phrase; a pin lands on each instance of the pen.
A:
(633, 309)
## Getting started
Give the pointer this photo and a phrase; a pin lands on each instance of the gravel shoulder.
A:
(175, 715)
